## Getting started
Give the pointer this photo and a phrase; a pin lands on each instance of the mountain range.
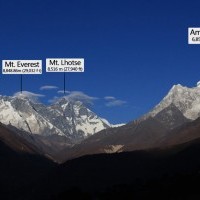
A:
(64, 118)
(50, 128)
(66, 151)
(68, 129)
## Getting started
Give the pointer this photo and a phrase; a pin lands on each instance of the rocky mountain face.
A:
(171, 117)
(79, 121)
(64, 118)
(22, 113)
(180, 105)
(186, 100)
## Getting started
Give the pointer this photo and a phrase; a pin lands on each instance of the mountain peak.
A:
(177, 88)
(186, 99)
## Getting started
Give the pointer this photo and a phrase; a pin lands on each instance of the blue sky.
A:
(134, 50)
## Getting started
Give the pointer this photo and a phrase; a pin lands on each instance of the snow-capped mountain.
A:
(186, 100)
(65, 118)
(81, 120)
(21, 113)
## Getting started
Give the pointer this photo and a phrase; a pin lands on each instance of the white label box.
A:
(65, 65)
(21, 66)
(194, 35)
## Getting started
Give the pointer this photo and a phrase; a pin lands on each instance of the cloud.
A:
(115, 103)
(75, 96)
(112, 101)
(109, 98)
(80, 96)
(30, 95)
(48, 87)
